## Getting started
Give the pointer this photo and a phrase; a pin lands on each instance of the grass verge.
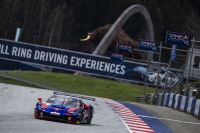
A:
(79, 84)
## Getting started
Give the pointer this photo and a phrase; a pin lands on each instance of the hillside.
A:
(61, 23)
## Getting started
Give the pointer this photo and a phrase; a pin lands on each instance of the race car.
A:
(64, 106)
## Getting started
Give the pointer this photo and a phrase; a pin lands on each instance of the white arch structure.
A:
(108, 37)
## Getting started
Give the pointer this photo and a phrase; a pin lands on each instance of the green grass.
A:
(81, 84)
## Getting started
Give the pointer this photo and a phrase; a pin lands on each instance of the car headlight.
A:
(42, 108)
(71, 112)
(75, 112)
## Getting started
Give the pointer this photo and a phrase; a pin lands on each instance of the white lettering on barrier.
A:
(93, 64)
(122, 70)
(88, 62)
(97, 65)
(4, 49)
(117, 69)
(65, 59)
(50, 57)
(112, 70)
(83, 61)
(14, 51)
(101, 66)
(77, 61)
(36, 55)
(42, 54)
(21, 52)
(59, 59)
(72, 61)
(107, 67)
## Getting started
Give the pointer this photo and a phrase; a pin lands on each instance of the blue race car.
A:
(64, 106)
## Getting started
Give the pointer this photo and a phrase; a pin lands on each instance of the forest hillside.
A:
(61, 23)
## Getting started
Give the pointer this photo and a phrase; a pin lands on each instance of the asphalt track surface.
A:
(176, 121)
(17, 104)
(16, 114)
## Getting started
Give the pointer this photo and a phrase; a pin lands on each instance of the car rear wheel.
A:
(89, 119)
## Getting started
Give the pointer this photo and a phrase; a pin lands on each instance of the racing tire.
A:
(37, 115)
(89, 119)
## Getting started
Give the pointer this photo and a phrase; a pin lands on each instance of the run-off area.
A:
(16, 115)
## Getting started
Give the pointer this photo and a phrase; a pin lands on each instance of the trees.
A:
(61, 23)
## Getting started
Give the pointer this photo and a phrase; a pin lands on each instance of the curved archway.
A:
(108, 37)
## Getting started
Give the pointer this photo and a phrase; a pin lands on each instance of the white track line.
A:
(167, 119)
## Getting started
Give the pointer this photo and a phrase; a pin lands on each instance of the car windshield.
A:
(65, 101)
(71, 102)
(52, 99)
(57, 100)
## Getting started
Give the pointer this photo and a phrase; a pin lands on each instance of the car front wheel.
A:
(36, 114)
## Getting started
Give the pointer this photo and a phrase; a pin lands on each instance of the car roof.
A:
(64, 96)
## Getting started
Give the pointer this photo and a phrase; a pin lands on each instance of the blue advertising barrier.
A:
(173, 53)
(68, 60)
(184, 103)
(124, 48)
(117, 57)
(178, 38)
(147, 45)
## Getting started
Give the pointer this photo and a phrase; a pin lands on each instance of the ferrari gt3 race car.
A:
(64, 106)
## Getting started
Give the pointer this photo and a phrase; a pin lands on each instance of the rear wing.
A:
(74, 95)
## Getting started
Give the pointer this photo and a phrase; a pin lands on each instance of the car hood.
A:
(57, 108)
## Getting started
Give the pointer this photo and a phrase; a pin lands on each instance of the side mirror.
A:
(86, 106)
(39, 99)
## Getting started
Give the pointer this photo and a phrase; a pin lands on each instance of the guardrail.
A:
(183, 103)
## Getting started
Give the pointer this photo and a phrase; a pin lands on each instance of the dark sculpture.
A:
(122, 38)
